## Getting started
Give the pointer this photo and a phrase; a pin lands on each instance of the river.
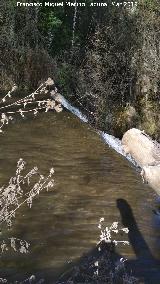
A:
(90, 177)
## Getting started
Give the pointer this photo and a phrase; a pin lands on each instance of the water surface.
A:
(89, 179)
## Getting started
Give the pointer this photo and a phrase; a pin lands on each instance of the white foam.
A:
(74, 110)
(115, 144)
(110, 140)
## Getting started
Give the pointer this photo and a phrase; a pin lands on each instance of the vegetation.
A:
(100, 266)
(106, 60)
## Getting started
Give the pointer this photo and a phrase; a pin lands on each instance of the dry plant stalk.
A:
(31, 103)
(15, 245)
(106, 233)
(21, 190)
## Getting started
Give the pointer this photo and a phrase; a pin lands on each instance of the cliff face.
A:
(119, 82)
(148, 72)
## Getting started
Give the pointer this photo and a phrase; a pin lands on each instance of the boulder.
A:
(141, 147)
(146, 152)
(151, 175)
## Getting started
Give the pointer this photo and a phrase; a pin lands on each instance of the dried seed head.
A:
(49, 82)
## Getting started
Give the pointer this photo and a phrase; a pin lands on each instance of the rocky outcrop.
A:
(146, 152)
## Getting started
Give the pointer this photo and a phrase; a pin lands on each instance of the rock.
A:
(142, 148)
(146, 152)
(130, 113)
(151, 174)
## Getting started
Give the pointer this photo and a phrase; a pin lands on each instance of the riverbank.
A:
(105, 61)
(115, 79)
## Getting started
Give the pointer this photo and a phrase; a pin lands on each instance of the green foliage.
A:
(48, 21)
(53, 21)
(66, 79)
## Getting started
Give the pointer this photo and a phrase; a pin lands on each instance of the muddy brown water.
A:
(89, 179)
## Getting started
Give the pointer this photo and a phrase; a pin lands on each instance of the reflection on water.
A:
(89, 176)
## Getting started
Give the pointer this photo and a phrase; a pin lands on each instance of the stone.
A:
(141, 147)
(151, 175)
(146, 153)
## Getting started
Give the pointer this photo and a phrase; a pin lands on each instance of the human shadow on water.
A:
(144, 266)
(105, 265)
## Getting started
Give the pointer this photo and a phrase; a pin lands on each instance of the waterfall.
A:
(116, 144)
(72, 109)
(110, 140)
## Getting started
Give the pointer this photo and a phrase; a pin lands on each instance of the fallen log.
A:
(146, 152)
